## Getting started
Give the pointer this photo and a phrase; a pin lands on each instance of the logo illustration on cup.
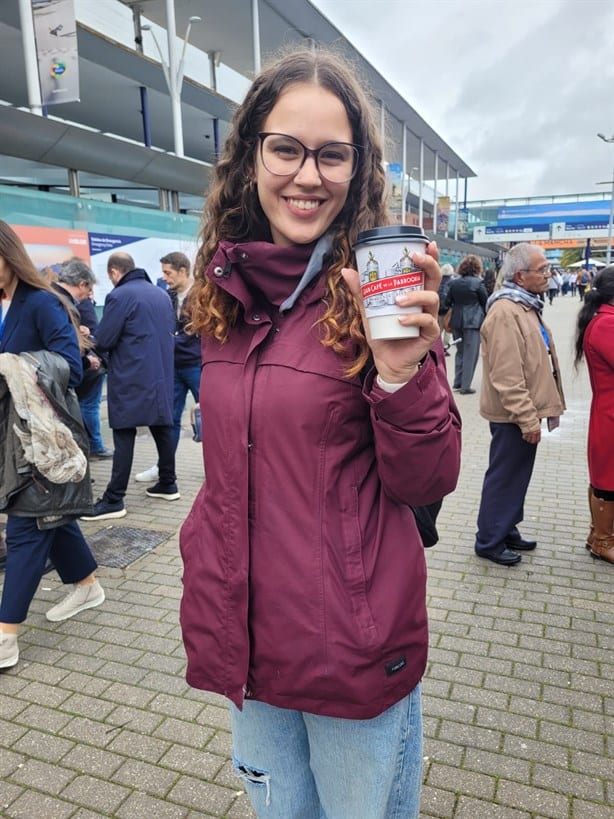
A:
(383, 258)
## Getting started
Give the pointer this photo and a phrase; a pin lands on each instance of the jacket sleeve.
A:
(482, 294)
(58, 334)
(504, 354)
(417, 434)
(111, 324)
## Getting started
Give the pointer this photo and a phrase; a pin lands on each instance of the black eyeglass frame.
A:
(314, 152)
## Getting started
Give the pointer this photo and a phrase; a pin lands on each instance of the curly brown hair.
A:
(470, 266)
(232, 210)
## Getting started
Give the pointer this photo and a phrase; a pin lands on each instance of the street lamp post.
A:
(173, 74)
(608, 257)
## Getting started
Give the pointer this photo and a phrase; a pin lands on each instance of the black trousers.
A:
(505, 487)
(123, 442)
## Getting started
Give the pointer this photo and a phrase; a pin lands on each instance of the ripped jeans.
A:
(296, 765)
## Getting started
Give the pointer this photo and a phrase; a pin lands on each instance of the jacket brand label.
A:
(394, 666)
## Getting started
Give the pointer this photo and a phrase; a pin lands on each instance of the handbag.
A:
(446, 321)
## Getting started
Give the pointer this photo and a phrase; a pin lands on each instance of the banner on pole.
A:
(55, 30)
(443, 214)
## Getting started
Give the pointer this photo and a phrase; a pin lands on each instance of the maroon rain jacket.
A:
(304, 573)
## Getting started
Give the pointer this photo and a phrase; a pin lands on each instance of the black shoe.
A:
(504, 558)
(105, 510)
(101, 454)
(469, 391)
(168, 491)
(521, 544)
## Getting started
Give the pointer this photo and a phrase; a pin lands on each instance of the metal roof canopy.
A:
(111, 75)
(227, 28)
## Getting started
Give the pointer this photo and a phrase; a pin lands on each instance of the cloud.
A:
(518, 88)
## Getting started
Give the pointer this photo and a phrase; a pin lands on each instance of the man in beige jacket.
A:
(521, 385)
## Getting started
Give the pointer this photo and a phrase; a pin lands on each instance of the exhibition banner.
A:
(50, 247)
(55, 30)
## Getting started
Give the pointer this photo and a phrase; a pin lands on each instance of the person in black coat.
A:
(467, 297)
(137, 332)
(77, 282)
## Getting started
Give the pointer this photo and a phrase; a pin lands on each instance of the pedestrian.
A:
(176, 274)
(76, 280)
(447, 273)
(553, 286)
(595, 343)
(41, 512)
(304, 575)
(136, 332)
(467, 298)
(521, 385)
(582, 282)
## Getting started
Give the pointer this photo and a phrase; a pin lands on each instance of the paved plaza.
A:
(96, 720)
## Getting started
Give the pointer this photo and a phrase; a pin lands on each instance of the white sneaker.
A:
(80, 598)
(148, 476)
(9, 650)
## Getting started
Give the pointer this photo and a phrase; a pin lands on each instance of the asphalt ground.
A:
(96, 720)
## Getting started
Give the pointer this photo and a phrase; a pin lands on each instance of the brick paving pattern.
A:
(96, 720)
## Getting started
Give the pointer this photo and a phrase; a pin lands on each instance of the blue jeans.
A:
(90, 412)
(186, 378)
(302, 766)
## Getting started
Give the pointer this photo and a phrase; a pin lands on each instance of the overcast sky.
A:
(517, 88)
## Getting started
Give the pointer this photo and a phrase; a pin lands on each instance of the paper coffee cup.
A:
(386, 271)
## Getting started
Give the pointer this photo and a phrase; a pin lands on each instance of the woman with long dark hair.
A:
(41, 512)
(595, 343)
(304, 572)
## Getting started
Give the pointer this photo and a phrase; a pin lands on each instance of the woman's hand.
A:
(396, 360)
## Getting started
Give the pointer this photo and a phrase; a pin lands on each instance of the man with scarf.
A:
(521, 385)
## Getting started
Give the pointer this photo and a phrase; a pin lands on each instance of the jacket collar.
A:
(133, 275)
(261, 274)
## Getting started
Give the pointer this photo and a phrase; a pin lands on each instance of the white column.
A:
(435, 181)
(256, 36)
(174, 91)
(421, 185)
(30, 57)
(403, 184)
(448, 196)
(456, 208)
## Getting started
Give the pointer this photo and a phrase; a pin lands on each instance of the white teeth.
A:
(304, 204)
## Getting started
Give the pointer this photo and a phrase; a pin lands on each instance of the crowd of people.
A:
(304, 587)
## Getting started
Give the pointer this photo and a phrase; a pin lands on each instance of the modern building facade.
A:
(158, 82)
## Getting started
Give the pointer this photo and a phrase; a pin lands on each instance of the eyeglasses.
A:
(283, 155)
(543, 269)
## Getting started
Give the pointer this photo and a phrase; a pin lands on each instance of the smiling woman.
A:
(304, 587)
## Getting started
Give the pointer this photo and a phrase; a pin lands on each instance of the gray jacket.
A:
(467, 296)
(24, 492)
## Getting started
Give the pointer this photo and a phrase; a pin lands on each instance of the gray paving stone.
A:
(518, 689)
(32, 805)
(142, 776)
(536, 800)
(94, 761)
(42, 776)
(95, 793)
(199, 795)
(142, 806)
(42, 746)
(468, 808)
